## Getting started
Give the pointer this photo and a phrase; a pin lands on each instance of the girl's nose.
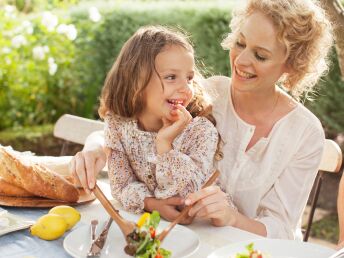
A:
(186, 86)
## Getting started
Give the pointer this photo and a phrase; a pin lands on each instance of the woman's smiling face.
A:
(257, 57)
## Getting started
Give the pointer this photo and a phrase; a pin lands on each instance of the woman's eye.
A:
(259, 57)
(240, 45)
(170, 77)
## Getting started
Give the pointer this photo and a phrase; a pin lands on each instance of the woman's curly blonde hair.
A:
(302, 26)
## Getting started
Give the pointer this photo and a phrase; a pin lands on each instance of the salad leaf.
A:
(143, 243)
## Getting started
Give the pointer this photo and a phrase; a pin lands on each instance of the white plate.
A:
(10, 222)
(276, 248)
(181, 241)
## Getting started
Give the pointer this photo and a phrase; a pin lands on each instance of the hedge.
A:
(98, 44)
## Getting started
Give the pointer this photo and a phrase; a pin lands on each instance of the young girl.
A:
(158, 133)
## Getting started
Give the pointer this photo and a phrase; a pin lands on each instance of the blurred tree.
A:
(336, 12)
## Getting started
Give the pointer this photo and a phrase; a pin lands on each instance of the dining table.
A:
(21, 244)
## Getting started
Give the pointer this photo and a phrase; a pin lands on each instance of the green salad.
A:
(251, 253)
(143, 242)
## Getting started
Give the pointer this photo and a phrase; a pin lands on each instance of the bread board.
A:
(39, 202)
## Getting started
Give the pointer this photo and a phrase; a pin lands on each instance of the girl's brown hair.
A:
(125, 83)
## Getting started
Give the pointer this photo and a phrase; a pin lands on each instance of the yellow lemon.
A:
(71, 215)
(49, 227)
(143, 219)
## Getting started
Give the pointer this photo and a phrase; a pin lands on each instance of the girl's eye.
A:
(240, 45)
(190, 79)
(259, 57)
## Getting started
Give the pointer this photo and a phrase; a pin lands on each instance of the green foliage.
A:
(328, 105)
(326, 228)
(36, 79)
(206, 27)
(29, 95)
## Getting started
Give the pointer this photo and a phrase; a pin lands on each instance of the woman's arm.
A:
(212, 203)
(86, 164)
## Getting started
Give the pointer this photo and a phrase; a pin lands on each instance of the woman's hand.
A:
(172, 127)
(211, 203)
(86, 164)
(168, 208)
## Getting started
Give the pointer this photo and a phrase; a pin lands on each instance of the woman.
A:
(272, 144)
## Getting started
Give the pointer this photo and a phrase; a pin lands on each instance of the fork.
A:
(185, 211)
(98, 243)
(94, 224)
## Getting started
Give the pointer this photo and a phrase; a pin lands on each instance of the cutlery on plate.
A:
(98, 243)
(94, 224)
(186, 209)
(125, 226)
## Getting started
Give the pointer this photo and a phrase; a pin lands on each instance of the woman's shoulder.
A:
(309, 117)
(216, 85)
(304, 118)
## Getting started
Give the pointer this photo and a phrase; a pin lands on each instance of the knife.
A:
(98, 244)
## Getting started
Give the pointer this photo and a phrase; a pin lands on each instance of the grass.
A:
(326, 229)
(31, 132)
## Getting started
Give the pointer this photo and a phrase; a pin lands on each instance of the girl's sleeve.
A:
(180, 172)
(125, 187)
(282, 207)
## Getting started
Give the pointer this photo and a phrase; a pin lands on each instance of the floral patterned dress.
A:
(136, 171)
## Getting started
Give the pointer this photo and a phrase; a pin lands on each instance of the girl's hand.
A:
(86, 165)
(168, 208)
(211, 203)
(172, 127)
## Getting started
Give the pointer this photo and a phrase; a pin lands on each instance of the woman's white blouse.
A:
(270, 182)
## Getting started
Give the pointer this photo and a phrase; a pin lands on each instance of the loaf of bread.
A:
(7, 189)
(34, 178)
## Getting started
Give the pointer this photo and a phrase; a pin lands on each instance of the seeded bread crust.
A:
(7, 189)
(35, 179)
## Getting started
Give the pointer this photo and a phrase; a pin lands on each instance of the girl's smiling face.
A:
(257, 57)
(170, 85)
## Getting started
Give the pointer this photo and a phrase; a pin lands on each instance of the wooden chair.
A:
(75, 129)
(331, 162)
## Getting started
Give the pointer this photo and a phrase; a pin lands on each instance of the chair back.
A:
(331, 162)
(76, 129)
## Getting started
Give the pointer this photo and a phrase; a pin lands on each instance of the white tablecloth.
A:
(21, 244)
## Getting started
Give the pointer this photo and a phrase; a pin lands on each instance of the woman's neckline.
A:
(280, 120)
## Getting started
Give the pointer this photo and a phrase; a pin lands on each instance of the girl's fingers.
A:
(186, 114)
(175, 201)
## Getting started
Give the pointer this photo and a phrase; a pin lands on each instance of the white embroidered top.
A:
(136, 171)
(270, 182)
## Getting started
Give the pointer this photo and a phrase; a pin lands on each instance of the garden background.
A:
(55, 56)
